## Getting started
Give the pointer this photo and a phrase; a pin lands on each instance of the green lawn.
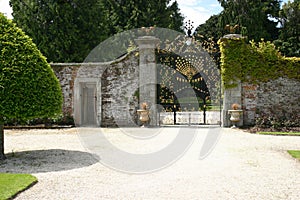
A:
(13, 184)
(280, 133)
(295, 153)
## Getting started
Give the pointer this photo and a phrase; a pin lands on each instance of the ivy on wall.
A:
(254, 62)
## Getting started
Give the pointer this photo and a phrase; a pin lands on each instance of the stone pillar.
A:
(148, 75)
(231, 96)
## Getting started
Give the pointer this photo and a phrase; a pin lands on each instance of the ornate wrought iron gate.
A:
(182, 92)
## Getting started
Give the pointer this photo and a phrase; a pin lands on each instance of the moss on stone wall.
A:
(254, 62)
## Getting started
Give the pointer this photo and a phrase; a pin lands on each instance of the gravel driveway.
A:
(241, 166)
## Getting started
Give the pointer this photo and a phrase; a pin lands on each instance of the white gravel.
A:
(241, 166)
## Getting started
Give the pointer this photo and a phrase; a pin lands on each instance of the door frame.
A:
(79, 82)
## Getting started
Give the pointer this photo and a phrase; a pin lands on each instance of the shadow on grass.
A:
(39, 161)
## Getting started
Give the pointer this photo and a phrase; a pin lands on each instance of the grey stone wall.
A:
(231, 96)
(116, 82)
(119, 85)
(278, 98)
(249, 102)
(66, 74)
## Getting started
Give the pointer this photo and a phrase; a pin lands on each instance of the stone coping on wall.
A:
(95, 63)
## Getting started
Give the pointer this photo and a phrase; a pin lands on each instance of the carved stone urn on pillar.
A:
(235, 114)
(143, 114)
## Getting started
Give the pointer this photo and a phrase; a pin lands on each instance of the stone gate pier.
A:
(148, 74)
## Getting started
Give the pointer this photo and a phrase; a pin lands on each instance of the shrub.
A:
(28, 85)
(277, 122)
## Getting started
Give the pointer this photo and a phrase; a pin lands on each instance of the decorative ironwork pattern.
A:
(191, 68)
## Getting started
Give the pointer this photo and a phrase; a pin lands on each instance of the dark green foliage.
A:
(254, 62)
(62, 120)
(289, 37)
(275, 122)
(64, 30)
(209, 29)
(28, 85)
(67, 30)
(130, 14)
(252, 16)
(208, 34)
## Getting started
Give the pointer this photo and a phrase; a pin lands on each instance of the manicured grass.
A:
(13, 184)
(295, 153)
(280, 133)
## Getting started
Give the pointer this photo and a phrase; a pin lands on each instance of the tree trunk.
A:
(2, 156)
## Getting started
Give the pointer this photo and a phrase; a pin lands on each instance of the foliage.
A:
(294, 153)
(12, 184)
(255, 20)
(64, 30)
(29, 87)
(289, 35)
(61, 119)
(130, 14)
(252, 17)
(254, 62)
(67, 30)
(277, 122)
(208, 34)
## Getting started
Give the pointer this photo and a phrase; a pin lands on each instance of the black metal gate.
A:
(182, 91)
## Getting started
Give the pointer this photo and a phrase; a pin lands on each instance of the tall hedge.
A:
(254, 62)
(28, 85)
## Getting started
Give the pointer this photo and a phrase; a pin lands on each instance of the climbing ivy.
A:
(254, 62)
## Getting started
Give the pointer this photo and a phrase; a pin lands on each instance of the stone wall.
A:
(118, 93)
(66, 74)
(249, 103)
(117, 83)
(277, 98)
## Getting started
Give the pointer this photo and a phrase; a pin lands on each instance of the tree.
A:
(28, 85)
(64, 30)
(210, 29)
(130, 14)
(289, 35)
(257, 17)
(208, 34)
(67, 30)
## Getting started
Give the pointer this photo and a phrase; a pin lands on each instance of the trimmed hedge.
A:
(254, 62)
(28, 85)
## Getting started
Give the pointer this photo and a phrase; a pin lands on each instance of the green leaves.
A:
(29, 87)
(67, 31)
(252, 15)
(126, 15)
(289, 40)
(254, 62)
(64, 31)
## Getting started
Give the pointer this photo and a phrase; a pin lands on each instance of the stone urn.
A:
(143, 114)
(235, 115)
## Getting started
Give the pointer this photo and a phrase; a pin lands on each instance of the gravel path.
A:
(241, 166)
